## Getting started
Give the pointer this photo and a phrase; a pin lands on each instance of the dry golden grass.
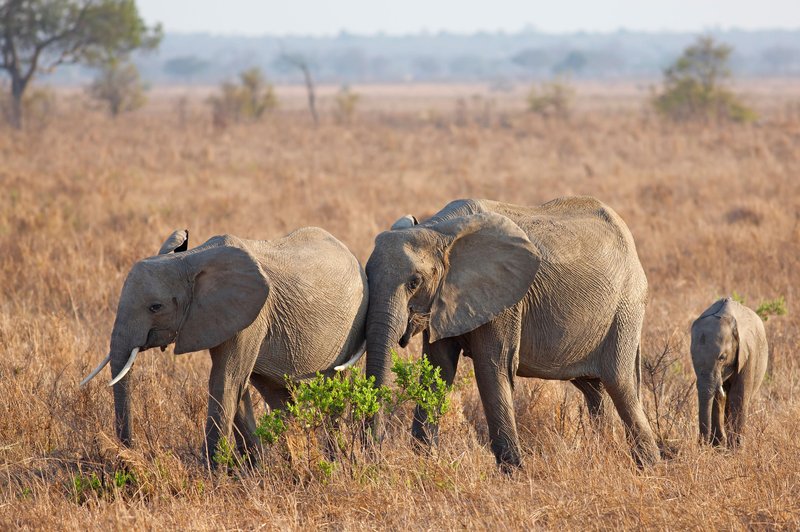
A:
(713, 209)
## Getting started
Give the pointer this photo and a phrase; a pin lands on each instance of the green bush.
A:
(552, 98)
(421, 383)
(694, 86)
(82, 486)
(346, 102)
(225, 454)
(767, 308)
(249, 99)
(772, 307)
(118, 85)
(105, 485)
(339, 407)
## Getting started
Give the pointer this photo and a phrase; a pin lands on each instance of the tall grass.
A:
(85, 197)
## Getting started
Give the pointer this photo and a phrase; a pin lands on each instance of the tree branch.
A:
(41, 46)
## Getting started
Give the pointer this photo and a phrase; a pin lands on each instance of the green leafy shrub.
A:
(767, 308)
(772, 307)
(339, 407)
(694, 86)
(249, 99)
(123, 478)
(85, 486)
(272, 426)
(119, 86)
(346, 103)
(421, 383)
(225, 454)
(553, 98)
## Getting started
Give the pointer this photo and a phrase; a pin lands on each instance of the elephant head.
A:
(715, 356)
(196, 299)
(448, 277)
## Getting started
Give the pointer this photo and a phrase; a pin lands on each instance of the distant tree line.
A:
(445, 58)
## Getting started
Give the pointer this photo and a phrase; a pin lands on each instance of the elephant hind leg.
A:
(244, 425)
(626, 400)
(594, 393)
(275, 396)
(622, 378)
(736, 411)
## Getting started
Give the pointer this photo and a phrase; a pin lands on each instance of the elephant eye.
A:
(721, 356)
(414, 282)
(155, 307)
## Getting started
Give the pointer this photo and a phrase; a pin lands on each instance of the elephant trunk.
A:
(385, 324)
(711, 430)
(121, 360)
(705, 401)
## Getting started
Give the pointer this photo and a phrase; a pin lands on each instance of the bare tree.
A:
(300, 61)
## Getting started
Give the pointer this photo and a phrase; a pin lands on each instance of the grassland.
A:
(714, 209)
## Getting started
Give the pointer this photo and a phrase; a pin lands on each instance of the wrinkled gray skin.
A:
(554, 292)
(729, 354)
(264, 309)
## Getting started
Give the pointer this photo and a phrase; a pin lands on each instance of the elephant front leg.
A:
(495, 354)
(443, 354)
(225, 389)
(718, 436)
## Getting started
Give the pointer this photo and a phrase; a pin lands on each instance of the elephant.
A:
(729, 354)
(266, 311)
(554, 291)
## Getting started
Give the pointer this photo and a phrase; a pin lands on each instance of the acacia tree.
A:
(39, 35)
(695, 85)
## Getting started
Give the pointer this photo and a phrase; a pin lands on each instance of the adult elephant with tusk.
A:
(265, 310)
(554, 292)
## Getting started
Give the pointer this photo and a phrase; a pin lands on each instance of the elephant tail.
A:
(639, 371)
(353, 359)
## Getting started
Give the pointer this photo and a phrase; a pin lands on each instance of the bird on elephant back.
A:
(554, 291)
(266, 310)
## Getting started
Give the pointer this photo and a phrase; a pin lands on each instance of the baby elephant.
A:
(729, 354)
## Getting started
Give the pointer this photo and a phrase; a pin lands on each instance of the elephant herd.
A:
(554, 291)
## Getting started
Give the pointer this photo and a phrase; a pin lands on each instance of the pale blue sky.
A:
(328, 17)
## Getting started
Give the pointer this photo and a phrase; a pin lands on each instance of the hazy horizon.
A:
(319, 18)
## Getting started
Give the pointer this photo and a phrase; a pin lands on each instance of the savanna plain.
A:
(714, 209)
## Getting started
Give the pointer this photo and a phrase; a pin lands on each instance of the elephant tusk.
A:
(126, 368)
(96, 370)
(721, 391)
(358, 354)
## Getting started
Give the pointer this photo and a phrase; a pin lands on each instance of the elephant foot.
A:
(510, 467)
(646, 455)
(425, 435)
(508, 459)
(424, 447)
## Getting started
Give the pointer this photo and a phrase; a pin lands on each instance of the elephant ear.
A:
(229, 289)
(178, 241)
(406, 222)
(489, 265)
(745, 335)
(741, 354)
